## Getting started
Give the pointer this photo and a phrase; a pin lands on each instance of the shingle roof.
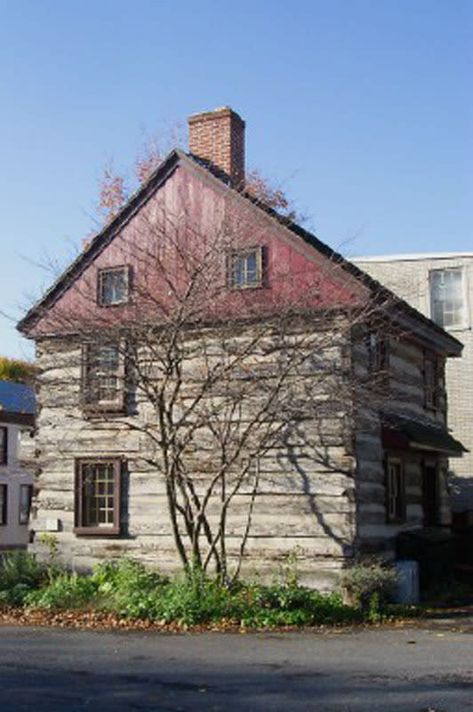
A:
(16, 398)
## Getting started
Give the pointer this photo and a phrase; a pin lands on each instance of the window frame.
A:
(126, 269)
(463, 323)
(4, 505)
(81, 529)
(433, 390)
(243, 252)
(102, 406)
(21, 519)
(398, 515)
(378, 354)
(4, 447)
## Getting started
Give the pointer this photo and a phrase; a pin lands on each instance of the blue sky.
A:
(360, 109)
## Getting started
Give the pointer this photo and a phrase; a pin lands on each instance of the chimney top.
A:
(219, 137)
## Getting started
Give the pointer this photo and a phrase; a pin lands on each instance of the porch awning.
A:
(402, 432)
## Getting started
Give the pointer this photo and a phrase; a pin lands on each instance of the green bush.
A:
(280, 605)
(20, 573)
(127, 588)
(65, 592)
(369, 584)
(130, 590)
(195, 600)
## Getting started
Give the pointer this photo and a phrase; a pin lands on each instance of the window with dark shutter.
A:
(97, 501)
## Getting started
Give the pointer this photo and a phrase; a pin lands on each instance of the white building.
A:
(441, 286)
(17, 412)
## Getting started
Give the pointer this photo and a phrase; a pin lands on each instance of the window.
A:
(3, 504)
(97, 508)
(378, 354)
(104, 376)
(113, 286)
(433, 382)
(246, 268)
(395, 491)
(3, 445)
(26, 495)
(447, 300)
(430, 494)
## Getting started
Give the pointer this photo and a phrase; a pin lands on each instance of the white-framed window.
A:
(113, 286)
(246, 268)
(447, 297)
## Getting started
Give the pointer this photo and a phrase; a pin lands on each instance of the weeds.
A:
(129, 590)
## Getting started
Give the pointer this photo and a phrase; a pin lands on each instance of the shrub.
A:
(20, 573)
(369, 584)
(280, 605)
(127, 588)
(66, 591)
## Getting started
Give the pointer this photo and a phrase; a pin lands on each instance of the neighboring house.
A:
(384, 462)
(441, 287)
(17, 413)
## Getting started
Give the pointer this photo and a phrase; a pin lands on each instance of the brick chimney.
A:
(219, 137)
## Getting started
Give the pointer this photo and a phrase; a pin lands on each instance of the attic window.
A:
(113, 286)
(246, 268)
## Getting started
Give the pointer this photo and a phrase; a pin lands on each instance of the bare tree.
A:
(217, 375)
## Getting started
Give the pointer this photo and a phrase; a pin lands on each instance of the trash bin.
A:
(407, 586)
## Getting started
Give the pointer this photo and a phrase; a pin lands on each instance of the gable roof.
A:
(207, 170)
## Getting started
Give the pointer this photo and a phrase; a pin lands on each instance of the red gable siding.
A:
(191, 219)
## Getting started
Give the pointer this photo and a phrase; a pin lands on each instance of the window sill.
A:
(96, 410)
(114, 304)
(97, 531)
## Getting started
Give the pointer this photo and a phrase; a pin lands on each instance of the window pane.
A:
(446, 295)
(98, 494)
(26, 492)
(103, 373)
(246, 268)
(113, 286)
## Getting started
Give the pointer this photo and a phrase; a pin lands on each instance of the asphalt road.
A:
(408, 670)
